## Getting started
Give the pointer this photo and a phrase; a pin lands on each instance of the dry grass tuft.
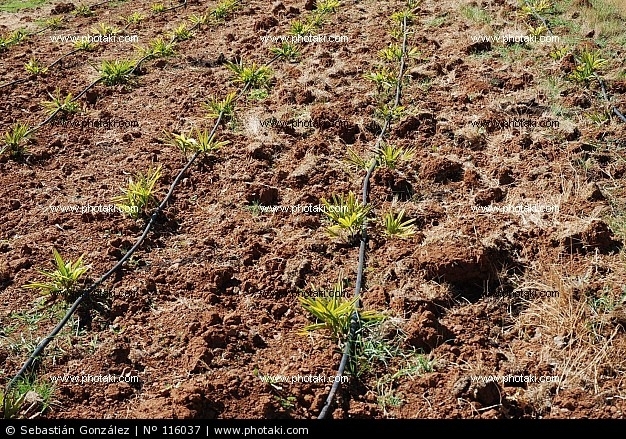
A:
(580, 341)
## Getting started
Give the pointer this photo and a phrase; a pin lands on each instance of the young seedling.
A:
(53, 23)
(134, 18)
(252, 76)
(105, 29)
(400, 16)
(317, 20)
(11, 403)
(383, 78)
(207, 144)
(395, 227)
(347, 216)
(588, 63)
(327, 6)
(286, 51)
(116, 72)
(4, 43)
(157, 8)
(254, 208)
(139, 194)
(536, 31)
(533, 7)
(182, 142)
(393, 53)
(63, 280)
(35, 68)
(224, 9)
(16, 37)
(85, 45)
(225, 107)
(158, 48)
(558, 53)
(83, 11)
(199, 20)
(14, 140)
(258, 94)
(356, 162)
(202, 142)
(301, 28)
(181, 33)
(58, 104)
(388, 112)
(599, 118)
(334, 314)
(390, 156)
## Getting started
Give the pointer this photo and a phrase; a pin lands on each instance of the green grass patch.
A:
(476, 14)
(17, 5)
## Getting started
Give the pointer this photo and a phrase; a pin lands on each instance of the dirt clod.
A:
(441, 170)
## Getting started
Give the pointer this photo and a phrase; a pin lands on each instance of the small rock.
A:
(441, 169)
(584, 236)
(593, 193)
(258, 341)
(478, 47)
(569, 130)
(232, 319)
(560, 342)
(277, 7)
(265, 23)
(91, 97)
(213, 319)
(461, 386)
(487, 393)
(118, 391)
(151, 285)
(471, 178)
(505, 176)
(424, 122)
(266, 195)
(62, 8)
(279, 310)
(20, 264)
(310, 5)
(488, 196)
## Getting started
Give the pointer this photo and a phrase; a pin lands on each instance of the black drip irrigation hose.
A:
(171, 8)
(354, 318)
(17, 81)
(63, 57)
(608, 101)
(540, 18)
(43, 343)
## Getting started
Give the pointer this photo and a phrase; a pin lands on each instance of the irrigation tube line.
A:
(43, 343)
(354, 318)
(538, 17)
(608, 101)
